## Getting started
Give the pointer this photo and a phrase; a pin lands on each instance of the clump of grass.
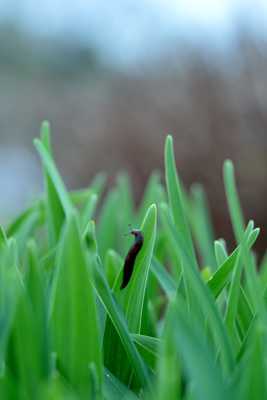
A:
(187, 326)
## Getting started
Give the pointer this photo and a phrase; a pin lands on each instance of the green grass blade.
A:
(169, 374)
(132, 299)
(222, 275)
(204, 302)
(253, 379)
(115, 390)
(106, 229)
(134, 293)
(220, 251)
(176, 199)
(154, 194)
(202, 226)
(89, 209)
(165, 280)
(151, 344)
(198, 357)
(113, 269)
(234, 290)
(3, 237)
(58, 202)
(233, 200)
(74, 313)
(238, 227)
(120, 324)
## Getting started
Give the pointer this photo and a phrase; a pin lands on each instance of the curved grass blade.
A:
(120, 324)
(233, 297)
(132, 299)
(134, 293)
(221, 277)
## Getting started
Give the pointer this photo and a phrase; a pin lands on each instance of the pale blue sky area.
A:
(127, 30)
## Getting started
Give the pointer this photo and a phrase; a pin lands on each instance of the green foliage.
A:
(67, 330)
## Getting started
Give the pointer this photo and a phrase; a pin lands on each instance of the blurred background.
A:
(115, 77)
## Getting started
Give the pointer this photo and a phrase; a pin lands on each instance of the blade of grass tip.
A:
(12, 257)
(220, 251)
(176, 198)
(234, 290)
(3, 237)
(202, 225)
(79, 197)
(222, 275)
(237, 220)
(134, 293)
(153, 194)
(116, 320)
(58, 201)
(132, 298)
(126, 198)
(74, 313)
(26, 230)
(106, 228)
(88, 210)
(98, 183)
(233, 200)
(126, 214)
(16, 225)
(54, 208)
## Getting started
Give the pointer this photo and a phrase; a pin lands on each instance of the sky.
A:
(127, 29)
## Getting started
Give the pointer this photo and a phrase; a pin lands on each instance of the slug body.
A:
(131, 257)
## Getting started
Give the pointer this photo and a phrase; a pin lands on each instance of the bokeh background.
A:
(114, 77)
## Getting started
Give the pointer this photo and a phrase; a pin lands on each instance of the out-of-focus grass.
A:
(191, 324)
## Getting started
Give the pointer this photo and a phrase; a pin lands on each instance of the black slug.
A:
(131, 256)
